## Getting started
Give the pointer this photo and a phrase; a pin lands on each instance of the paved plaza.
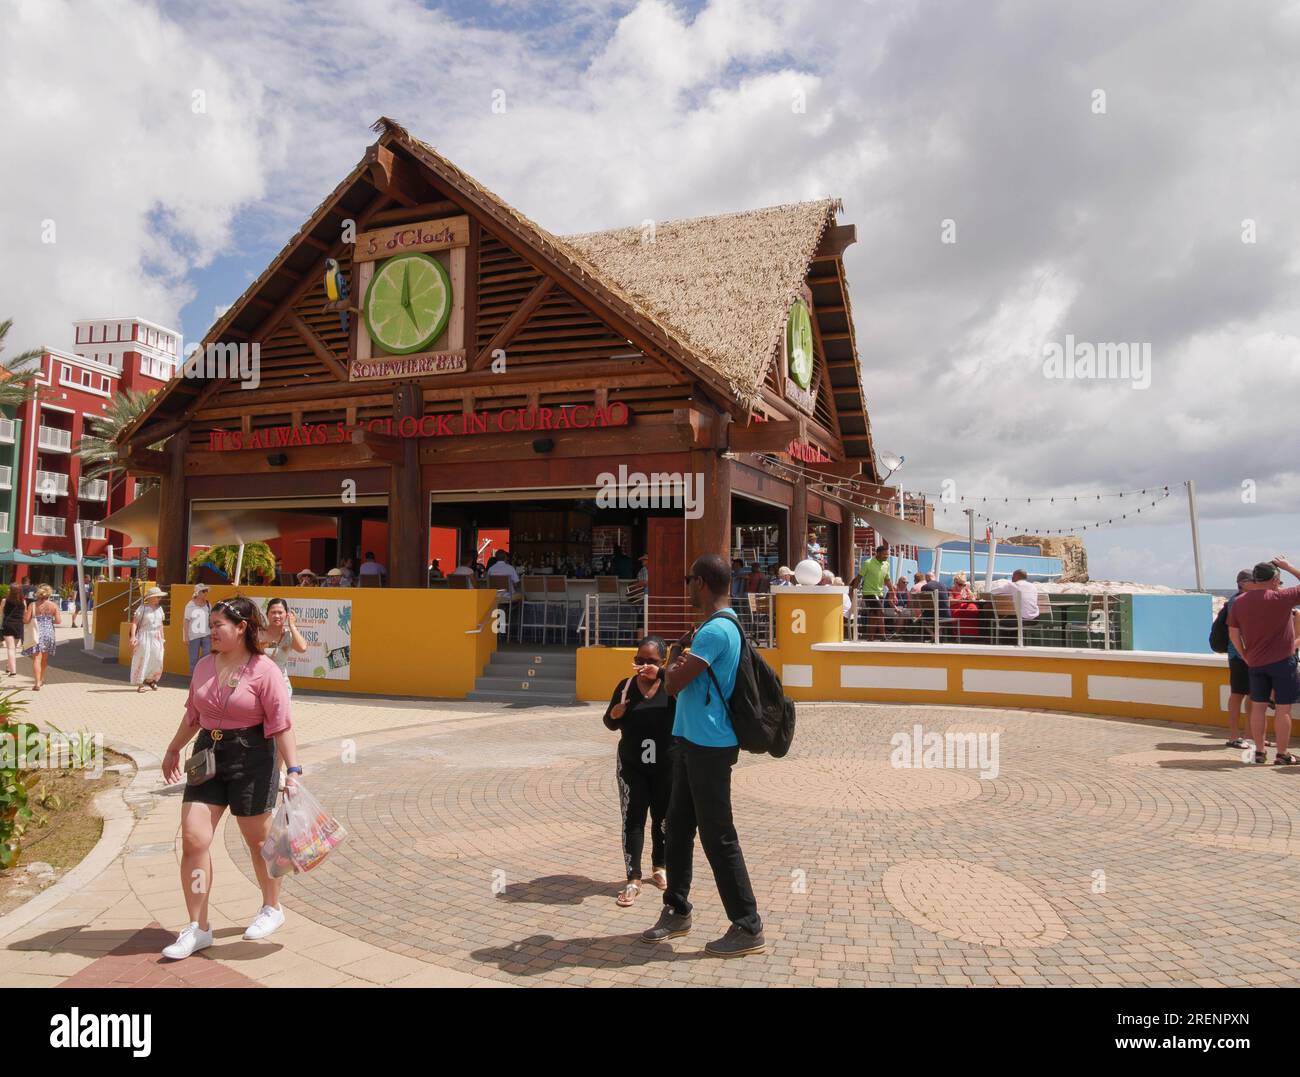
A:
(483, 850)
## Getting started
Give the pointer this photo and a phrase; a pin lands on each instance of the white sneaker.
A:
(265, 922)
(190, 939)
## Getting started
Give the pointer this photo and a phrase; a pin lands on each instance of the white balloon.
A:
(808, 573)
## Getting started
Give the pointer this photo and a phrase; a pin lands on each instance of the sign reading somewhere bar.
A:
(453, 425)
(408, 366)
(439, 235)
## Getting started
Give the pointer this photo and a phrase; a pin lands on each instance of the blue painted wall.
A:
(1171, 623)
(958, 560)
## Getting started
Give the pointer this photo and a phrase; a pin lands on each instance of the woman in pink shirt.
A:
(239, 705)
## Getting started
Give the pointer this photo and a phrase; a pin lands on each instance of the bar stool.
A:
(557, 605)
(608, 610)
(533, 613)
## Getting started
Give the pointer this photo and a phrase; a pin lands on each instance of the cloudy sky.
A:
(1019, 173)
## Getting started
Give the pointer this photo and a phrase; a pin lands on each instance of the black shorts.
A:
(871, 602)
(1279, 680)
(247, 778)
(1238, 676)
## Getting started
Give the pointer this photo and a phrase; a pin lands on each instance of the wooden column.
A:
(846, 567)
(173, 516)
(408, 515)
(797, 535)
(711, 533)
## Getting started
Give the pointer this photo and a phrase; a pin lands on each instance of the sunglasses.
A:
(640, 663)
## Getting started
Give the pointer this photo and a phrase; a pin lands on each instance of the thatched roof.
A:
(719, 287)
(723, 285)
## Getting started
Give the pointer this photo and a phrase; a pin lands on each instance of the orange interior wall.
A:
(442, 547)
(374, 537)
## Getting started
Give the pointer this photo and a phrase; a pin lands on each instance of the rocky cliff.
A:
(1069, 548)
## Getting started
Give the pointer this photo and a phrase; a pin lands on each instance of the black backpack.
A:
(1219, 637)
(760, 713)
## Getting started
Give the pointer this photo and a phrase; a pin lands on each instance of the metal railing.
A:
(7, 431)
(55, 440)
(53, 526)
(93, 490)
(6, 477)
(51, 484)
(612, 620)
(942, 617)
(91, 529)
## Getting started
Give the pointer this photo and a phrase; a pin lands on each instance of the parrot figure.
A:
(336, 287)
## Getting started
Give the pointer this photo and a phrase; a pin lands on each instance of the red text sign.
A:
(455, 424)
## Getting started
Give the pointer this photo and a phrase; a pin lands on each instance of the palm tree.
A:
(98, 449)
(17, 375)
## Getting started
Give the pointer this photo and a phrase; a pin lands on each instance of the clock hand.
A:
(406, 288)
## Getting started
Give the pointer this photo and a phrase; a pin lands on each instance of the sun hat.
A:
(306, 572)
(334, 572)
(155, 592)
(199, 588)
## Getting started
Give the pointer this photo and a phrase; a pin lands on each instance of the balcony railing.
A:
(51, 484)
(6, 477)
(4, 521)
(93, 489)
(90, 529)
(54, 440)
(6, 431)
(49, 525)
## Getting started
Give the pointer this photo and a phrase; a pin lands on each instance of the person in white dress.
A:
(147, 641)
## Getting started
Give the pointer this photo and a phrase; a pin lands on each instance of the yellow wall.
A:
(816, 664)
(404, 642)
(110, 599)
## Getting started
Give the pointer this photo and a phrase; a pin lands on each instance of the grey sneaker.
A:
(671, 925)
(737, 942)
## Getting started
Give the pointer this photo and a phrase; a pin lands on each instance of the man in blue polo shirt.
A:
(704, 751)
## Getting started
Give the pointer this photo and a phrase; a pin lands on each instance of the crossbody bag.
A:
(202, 765)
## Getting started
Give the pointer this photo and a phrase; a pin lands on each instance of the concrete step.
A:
(492, 681)
(540, 669)
(538, 659)
(530, 698)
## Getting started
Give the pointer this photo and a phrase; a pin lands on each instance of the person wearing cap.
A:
(1238, 672)
(784, 577)
(333, 578)
(147, 640)
(306, 578)
(1261, 628)
(195, 630)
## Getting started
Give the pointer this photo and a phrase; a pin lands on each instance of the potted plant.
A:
(66, 593)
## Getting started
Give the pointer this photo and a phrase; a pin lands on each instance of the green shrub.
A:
(14, 812)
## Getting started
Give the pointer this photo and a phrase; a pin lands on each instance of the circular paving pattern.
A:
(1103, 852)
(963, 901)
(853, 784)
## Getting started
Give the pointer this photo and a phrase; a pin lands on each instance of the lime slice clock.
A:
(407, 303)
(799, 344)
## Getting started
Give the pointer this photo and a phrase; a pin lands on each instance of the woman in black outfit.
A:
(642, 712)
(13, 627)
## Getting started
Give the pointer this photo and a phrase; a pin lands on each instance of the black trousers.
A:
(701, 799)
(642, 787)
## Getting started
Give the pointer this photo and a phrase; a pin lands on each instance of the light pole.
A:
(894, 462)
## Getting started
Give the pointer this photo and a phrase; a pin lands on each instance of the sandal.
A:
(660, 879)
(1261, 757)
(629, 893)
(153, 685)
(1286, 759)
(1237, 743)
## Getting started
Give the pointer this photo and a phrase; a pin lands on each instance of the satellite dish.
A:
(891, 461)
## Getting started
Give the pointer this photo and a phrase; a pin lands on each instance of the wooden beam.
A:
(408, 510)
(318, 346)
(143, 461)
(382, 447)
(763, 437)
(514, 323)
(836, 240)
(419, 212)
(394, 176)
(173, 516)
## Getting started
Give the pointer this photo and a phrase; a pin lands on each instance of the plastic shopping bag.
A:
(302, 834)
